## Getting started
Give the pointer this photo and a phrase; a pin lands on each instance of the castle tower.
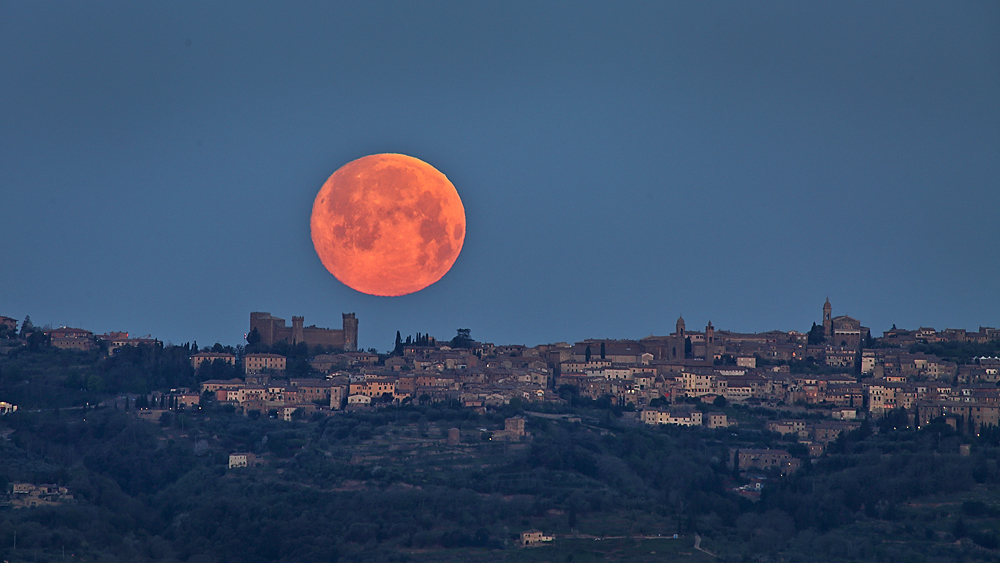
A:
(828, 320)
(350, 332)
(297, 333)
(264, 323)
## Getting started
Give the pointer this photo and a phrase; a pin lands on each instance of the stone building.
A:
(965, 416)
(71, 338)
(256, 363)
(242, 459)
(273, 329)
(843, 331)
(202, 357)
(763, 459)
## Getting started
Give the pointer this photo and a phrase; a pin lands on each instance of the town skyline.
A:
(619, 165)
(366, 341)
(744, 418)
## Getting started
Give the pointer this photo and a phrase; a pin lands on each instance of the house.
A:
(716, 420)
(256, 363)
(242, 459)
(513, 430)
(679, 417)
(311, 390)
(765, 459)
(374, 387)
(287, 411)
(117, 340)
(187, 400)
(534, 537)
(201, 357)
(973, 415)
(825, 432)
(337, 395)
(213, 385)
(844, 413)
(787, 426)
(360, 358)
(71, 338)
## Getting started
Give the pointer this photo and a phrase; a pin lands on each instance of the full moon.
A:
(388, 224)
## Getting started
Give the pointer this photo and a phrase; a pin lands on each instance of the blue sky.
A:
(620, 163)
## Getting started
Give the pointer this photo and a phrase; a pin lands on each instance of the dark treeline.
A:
(162, 492)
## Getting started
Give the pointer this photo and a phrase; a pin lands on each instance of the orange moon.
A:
(388, 224)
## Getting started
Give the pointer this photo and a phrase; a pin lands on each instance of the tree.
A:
(602, 350)
(253, 338)
(816, 335)
(300, 350)
(586, 353)
(463, 338)
(27, 327)
(36, 339)
(397, 350)
(95, 383)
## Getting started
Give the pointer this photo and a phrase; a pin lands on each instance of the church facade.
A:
(843, 331)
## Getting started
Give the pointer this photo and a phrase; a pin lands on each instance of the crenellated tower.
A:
(350, 332)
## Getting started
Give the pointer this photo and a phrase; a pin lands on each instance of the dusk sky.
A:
(620, 163)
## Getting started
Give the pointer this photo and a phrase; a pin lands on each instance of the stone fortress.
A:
(272, 329)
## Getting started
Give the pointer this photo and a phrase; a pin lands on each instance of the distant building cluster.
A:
(68, 338)
(684, 378)
(659, 376)
(29, 495)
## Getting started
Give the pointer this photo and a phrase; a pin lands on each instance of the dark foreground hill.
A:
(387, 486)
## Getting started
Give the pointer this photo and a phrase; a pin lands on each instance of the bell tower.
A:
(828, 319)
(677, 349)
(709, 342)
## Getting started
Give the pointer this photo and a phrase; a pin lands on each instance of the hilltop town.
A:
(734, 422)
(836, 370)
